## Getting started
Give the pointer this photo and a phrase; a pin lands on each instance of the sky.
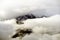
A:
(13, 8)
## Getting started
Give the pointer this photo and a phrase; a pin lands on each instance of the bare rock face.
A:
(21, 33)
(24, 17)
(27, 16)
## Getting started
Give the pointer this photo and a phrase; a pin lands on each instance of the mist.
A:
(13, 8)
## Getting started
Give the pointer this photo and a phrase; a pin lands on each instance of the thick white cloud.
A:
(42, 37)
(37, 37)
(7, 29)
(44, 28)
(40, 26)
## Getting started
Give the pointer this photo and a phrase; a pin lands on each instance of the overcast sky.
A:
(13, 8)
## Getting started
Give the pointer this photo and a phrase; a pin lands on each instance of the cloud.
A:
(13, 8)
